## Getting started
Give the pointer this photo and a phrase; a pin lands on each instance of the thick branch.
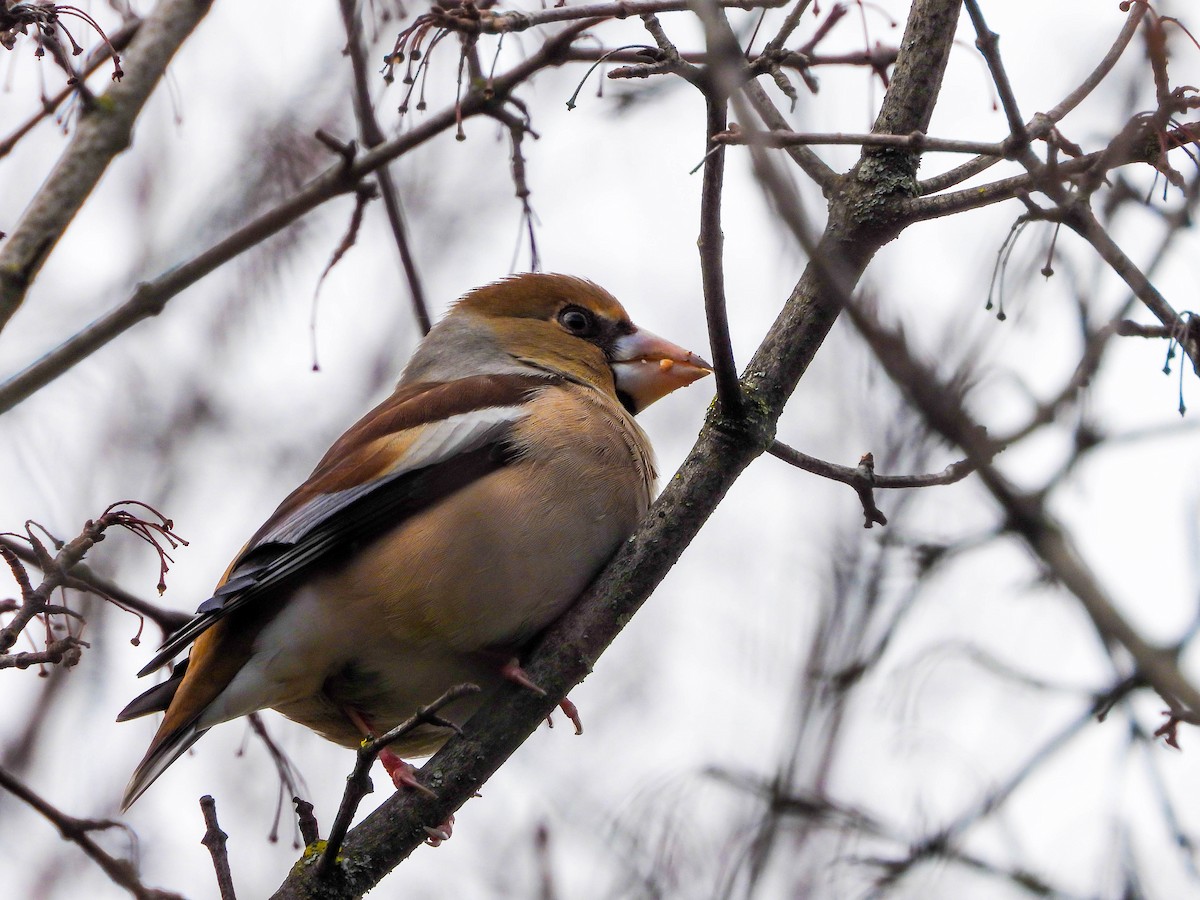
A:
(104, 131)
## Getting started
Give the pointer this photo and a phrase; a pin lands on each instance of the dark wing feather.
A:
(157, 699)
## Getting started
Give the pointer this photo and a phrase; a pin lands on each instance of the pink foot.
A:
(571, 711)
(441, 833)
(513, 672)
(403, 774)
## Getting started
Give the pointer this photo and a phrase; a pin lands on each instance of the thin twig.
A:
(810, 164)
(306, 821)
(167, 620)
(488, 22)
(118, 40)
(34, 603)
(988, 43)
(78, 832)
(358, 782)
(290, 781)
(1026, 514)
(373, 136)
(215, 840)
(940, 205)
(517, 129)
(723, 76)
(760, 64)
(790, 24)
(917, 141)
(938, 843)
(970, 169)
(863, 478)
(1082, 220)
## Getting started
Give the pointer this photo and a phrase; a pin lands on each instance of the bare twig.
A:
(1129, 328)
(811, 164)
(937, 844)
(373, 136)
(917, 141)
(167, 620)
(988, 43)
(936, 206)
(760, 64)
(1027, 515)
(863, 478)
(215, 840)
(289, 779)
(1090, 83)
(57, 572)
(78, 832)
(117, 40)
(485, 21)
(518, 127)
(310, 831)
(358, 782)
(1079, 216)
(722, 77)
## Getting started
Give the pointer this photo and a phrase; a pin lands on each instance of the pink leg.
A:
(403, 775)
(513, 672)
(441, 833)
(571, 711)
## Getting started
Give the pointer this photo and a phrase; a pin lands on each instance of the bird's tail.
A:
(165, 749)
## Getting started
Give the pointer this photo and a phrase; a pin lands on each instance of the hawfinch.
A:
(439, 534)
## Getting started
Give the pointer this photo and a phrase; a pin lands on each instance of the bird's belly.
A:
(388, 688)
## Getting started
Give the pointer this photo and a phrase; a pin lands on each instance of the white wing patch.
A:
(435, 443)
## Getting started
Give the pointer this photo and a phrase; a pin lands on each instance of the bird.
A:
(438, 535)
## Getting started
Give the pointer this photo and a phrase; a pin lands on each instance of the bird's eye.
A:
(577, 320)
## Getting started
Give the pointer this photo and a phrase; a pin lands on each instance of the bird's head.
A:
(560, 324)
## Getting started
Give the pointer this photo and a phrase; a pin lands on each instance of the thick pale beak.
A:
(647, 367)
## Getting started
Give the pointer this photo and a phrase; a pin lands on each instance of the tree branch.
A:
(103, 133)
(372, 136)
(78, 832)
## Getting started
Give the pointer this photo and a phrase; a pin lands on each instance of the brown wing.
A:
(422, 443)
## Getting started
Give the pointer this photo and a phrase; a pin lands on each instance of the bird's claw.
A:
(403, 774)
